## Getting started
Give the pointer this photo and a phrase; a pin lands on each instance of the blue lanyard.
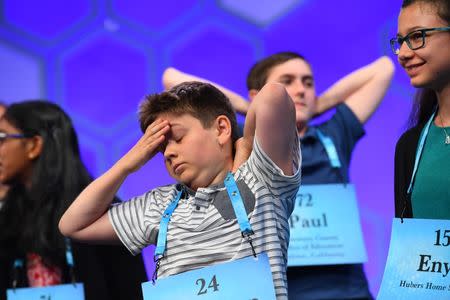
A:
(18, 263)
(327, 142)
(164, 224)
(423, 137)
(239, 210)
(238, 205)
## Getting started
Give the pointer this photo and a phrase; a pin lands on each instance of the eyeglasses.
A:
(415, 39)
(4, 136)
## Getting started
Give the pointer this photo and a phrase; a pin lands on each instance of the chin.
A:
(301, 119)
(421, 82)
(417, 83)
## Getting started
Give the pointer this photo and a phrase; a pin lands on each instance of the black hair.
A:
(58, 176)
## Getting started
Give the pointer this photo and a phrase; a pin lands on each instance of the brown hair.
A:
(201, 100)
(258, 74)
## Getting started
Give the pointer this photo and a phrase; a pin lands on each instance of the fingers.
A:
(155, 135)
(157, 127)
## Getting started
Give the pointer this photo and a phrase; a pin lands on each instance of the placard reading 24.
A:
(247, 278)
(325, 227)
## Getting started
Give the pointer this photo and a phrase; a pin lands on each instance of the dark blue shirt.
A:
(345, 130)
(337, 281)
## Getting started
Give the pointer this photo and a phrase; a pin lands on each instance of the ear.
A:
(223, 129)
(252, 93)
(34, 147)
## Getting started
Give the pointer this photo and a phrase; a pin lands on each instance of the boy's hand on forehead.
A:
(147, 146)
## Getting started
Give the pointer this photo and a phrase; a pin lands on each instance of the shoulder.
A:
(409, 139)
(344, 129)
(343, 120)
(155, 199)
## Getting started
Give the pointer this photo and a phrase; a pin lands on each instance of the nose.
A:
(404, 53)
(170, 151)
(298, 89)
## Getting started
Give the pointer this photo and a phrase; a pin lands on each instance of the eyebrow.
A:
(303, 77)
(177, 126)
(412, 29)
(177, 129)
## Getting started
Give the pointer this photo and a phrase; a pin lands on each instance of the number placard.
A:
(54, 292)
(246, 278)
(418, 265)
(325, 227)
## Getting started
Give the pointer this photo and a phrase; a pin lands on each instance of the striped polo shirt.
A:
(204, 231)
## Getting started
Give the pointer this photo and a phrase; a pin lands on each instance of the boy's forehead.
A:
(293, 67)
(178, 120)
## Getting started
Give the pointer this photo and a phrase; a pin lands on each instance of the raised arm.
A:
(271, 119)
(362, 90)
(172, 77)
(87, 217)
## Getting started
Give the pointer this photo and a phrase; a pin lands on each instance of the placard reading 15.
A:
(54, 292)
(418, 264)
(325, 227)
(247, 278)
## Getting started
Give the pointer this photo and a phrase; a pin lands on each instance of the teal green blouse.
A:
(430, 196)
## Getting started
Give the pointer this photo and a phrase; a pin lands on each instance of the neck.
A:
(301, 129)
(443, 97)
(221, 176)
(217, 176)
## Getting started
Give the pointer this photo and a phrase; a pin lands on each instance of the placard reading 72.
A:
(325, 227)
(247, 278)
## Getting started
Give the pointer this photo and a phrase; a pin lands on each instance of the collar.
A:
(311, 133)
(190, 192)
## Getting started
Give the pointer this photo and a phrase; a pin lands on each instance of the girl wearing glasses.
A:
(422, 157)
(3, 188)
(40, 162)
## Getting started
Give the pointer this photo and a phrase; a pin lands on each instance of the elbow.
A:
(387, 66)
(63, 228)
(276, 97)
(274, 101)
(167, 77)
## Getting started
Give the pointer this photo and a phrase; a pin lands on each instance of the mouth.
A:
(178, 168)
(300, 104)
(413, 68)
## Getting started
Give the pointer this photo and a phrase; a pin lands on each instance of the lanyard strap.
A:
(423, 137)
(327, 142)
(69, 255)
(239, 210)
(163, 225)
(238, 205)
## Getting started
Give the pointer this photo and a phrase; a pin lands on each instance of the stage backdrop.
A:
(97, 59)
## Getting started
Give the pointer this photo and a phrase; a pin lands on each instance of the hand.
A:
(243, 150)
(147, 146)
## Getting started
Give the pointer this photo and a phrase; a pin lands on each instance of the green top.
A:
(430, 197)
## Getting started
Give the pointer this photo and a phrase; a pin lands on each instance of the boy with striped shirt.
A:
(194, 126)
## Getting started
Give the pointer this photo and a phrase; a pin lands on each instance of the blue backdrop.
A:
(97, 59)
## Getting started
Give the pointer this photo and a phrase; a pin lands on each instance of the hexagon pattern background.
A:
(97, 59)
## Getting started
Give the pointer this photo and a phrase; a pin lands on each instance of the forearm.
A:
(172, 77)
(368, 83)
(93, 202)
